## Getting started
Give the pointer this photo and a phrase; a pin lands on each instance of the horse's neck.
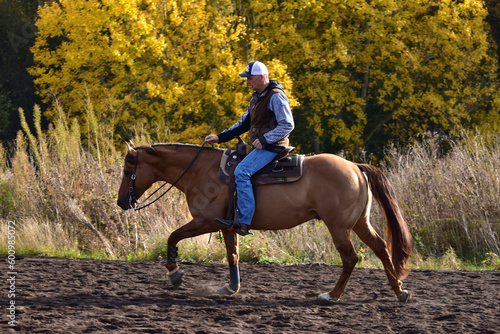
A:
(176, 159)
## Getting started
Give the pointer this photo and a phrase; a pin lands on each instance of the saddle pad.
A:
(288, 169)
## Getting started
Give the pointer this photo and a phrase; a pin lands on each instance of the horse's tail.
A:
(398, 234)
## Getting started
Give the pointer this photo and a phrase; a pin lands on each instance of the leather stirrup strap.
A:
(232, 195)
(231, 208)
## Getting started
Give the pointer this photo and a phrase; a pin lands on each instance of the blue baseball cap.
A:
(254, 68)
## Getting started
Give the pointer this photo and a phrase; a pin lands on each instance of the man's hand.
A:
(257, 144)
(212, 139)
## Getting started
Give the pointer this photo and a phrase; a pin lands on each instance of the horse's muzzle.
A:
(126, 202)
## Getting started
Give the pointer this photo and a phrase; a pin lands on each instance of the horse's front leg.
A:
(194, 228)
(174, 271)
(233, 257)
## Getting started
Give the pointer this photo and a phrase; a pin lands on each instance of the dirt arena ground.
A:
(61, 295)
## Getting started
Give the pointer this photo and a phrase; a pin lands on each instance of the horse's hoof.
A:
(326, 296)
(175, 277)
(227, 291)
(404, 297)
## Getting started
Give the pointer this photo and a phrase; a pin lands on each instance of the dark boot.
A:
(241, 229)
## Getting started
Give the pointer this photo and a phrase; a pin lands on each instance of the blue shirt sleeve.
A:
(281, 107)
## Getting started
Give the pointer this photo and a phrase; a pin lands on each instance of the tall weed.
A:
(450, 197)
(61, 187)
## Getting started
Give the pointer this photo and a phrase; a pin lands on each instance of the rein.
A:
(141, 205)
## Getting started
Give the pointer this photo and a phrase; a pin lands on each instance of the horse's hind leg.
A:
(233, 256)
(343, 243)
(371, 238)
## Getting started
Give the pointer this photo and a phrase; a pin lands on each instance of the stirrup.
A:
(241, 229)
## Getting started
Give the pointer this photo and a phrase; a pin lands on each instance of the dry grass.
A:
(450, 198)
(61, 190)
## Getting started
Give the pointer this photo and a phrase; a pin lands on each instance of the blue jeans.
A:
(252, 163)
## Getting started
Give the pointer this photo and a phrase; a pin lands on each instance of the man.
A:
(270, 121)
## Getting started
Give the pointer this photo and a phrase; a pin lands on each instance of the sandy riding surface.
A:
(60, 295)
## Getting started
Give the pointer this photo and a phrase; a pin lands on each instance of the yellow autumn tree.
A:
(452, 67)
(167, 65)
(366, 72)
(332, 49)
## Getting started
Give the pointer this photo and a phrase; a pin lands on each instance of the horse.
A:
(335, 190)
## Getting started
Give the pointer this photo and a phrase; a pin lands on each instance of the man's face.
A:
(256, 82)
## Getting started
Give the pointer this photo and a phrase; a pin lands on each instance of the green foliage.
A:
(492, 260)
(6, 198)
(6, 109)
(17, 35)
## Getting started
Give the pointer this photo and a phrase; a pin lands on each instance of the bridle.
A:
(133, 176)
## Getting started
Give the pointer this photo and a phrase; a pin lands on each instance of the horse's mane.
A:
(152, 149)
(180, 146)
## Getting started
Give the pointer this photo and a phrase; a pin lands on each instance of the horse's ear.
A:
(131, 151)
(131, 146)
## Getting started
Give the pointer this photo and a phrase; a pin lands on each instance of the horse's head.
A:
(137, 176)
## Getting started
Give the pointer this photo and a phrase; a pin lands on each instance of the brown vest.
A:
(263, 120)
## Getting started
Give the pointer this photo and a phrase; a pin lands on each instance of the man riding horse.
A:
(337, 191)
(270, 121)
